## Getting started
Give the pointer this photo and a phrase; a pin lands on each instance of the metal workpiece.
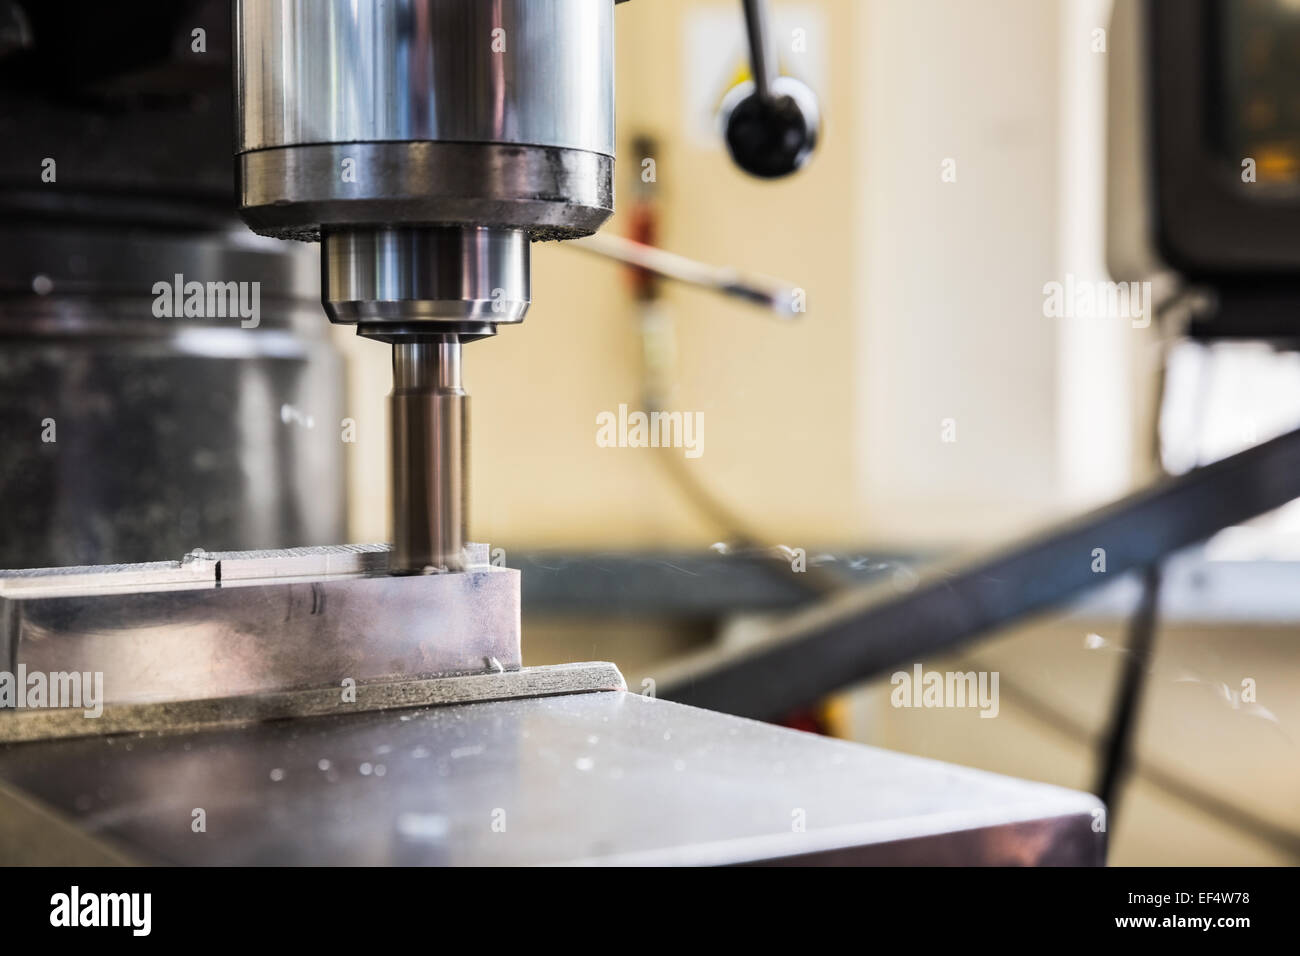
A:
(223, 625)
(414, 281)
(593, 778)
(428, 444)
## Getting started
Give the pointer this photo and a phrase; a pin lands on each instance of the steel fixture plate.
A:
(606, 777)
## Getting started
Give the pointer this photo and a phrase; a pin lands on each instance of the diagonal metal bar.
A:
(860, 632)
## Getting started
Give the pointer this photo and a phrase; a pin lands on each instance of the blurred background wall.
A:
(924, 319)
(924, 296)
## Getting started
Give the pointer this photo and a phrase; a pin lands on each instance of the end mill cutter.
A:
(428, 434)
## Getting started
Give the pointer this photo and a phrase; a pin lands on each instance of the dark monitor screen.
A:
(1258, 53)
(1224, 96)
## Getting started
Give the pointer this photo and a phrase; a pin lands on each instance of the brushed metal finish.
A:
(429, 419)
(171, 432)
(535, 72)
(431, 275)
(87, 259)
(599, 778)
(172, 631)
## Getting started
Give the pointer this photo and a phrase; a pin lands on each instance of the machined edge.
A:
(291, 192)
(26, 726)
(201, 569)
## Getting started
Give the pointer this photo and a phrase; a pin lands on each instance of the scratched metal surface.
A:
(604, 777)
(224, 624)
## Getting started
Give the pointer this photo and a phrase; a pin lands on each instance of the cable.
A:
(1115, 752)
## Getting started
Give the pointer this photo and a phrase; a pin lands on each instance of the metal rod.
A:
(863, 631)
(760, 50)
(781, 297)
(428, 408)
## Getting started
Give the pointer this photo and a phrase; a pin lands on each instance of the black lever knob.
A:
(774, 135)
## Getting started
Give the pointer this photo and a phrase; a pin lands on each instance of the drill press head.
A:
(425, 144)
